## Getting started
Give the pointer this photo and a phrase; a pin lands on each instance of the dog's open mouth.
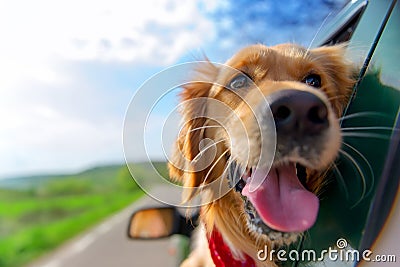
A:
(281, 203)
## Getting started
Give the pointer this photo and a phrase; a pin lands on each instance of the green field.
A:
(39, 213)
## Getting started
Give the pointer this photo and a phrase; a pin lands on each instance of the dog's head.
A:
(267, 127)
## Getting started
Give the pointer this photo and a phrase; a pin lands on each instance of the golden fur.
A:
(272, 69)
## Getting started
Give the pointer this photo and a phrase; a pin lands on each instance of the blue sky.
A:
(69, 68)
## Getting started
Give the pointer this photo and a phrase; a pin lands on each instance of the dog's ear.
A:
(184, 166)
(341, 71)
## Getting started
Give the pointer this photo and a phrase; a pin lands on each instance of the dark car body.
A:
(355, 206)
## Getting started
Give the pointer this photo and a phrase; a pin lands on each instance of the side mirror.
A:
(160, 222)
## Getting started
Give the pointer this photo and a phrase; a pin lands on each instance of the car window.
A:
(345, 23)
(385, 70)
(368, 127)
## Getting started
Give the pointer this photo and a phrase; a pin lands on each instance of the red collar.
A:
(222, 255)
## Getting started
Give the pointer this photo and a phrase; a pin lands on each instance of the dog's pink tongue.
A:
(281, 200)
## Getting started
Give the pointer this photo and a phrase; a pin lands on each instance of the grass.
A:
(35, 220)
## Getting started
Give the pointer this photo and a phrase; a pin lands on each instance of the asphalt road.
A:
(107, 245)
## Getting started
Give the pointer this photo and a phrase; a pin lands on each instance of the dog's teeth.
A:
(275, 235)
(286, 235)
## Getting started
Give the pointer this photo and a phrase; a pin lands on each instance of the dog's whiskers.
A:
(362, 176)
(363, 114)
(369, 128)
(367, 135)
(202, 128)
(366, 162)
(318, 31)
(201, 152)
(354, 132)
(341, 180)
(213, 166)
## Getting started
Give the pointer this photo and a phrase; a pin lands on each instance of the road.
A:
(107, 245)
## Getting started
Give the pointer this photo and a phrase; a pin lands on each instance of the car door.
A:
(361, 192)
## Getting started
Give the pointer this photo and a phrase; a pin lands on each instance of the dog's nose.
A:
(298, 112)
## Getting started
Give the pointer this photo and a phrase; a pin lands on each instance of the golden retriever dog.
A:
(257, 140)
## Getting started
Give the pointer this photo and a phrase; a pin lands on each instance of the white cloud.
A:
(55, 118)
(152, 31)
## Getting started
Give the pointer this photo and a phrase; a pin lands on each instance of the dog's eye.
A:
(313, 80)
(239, 82)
